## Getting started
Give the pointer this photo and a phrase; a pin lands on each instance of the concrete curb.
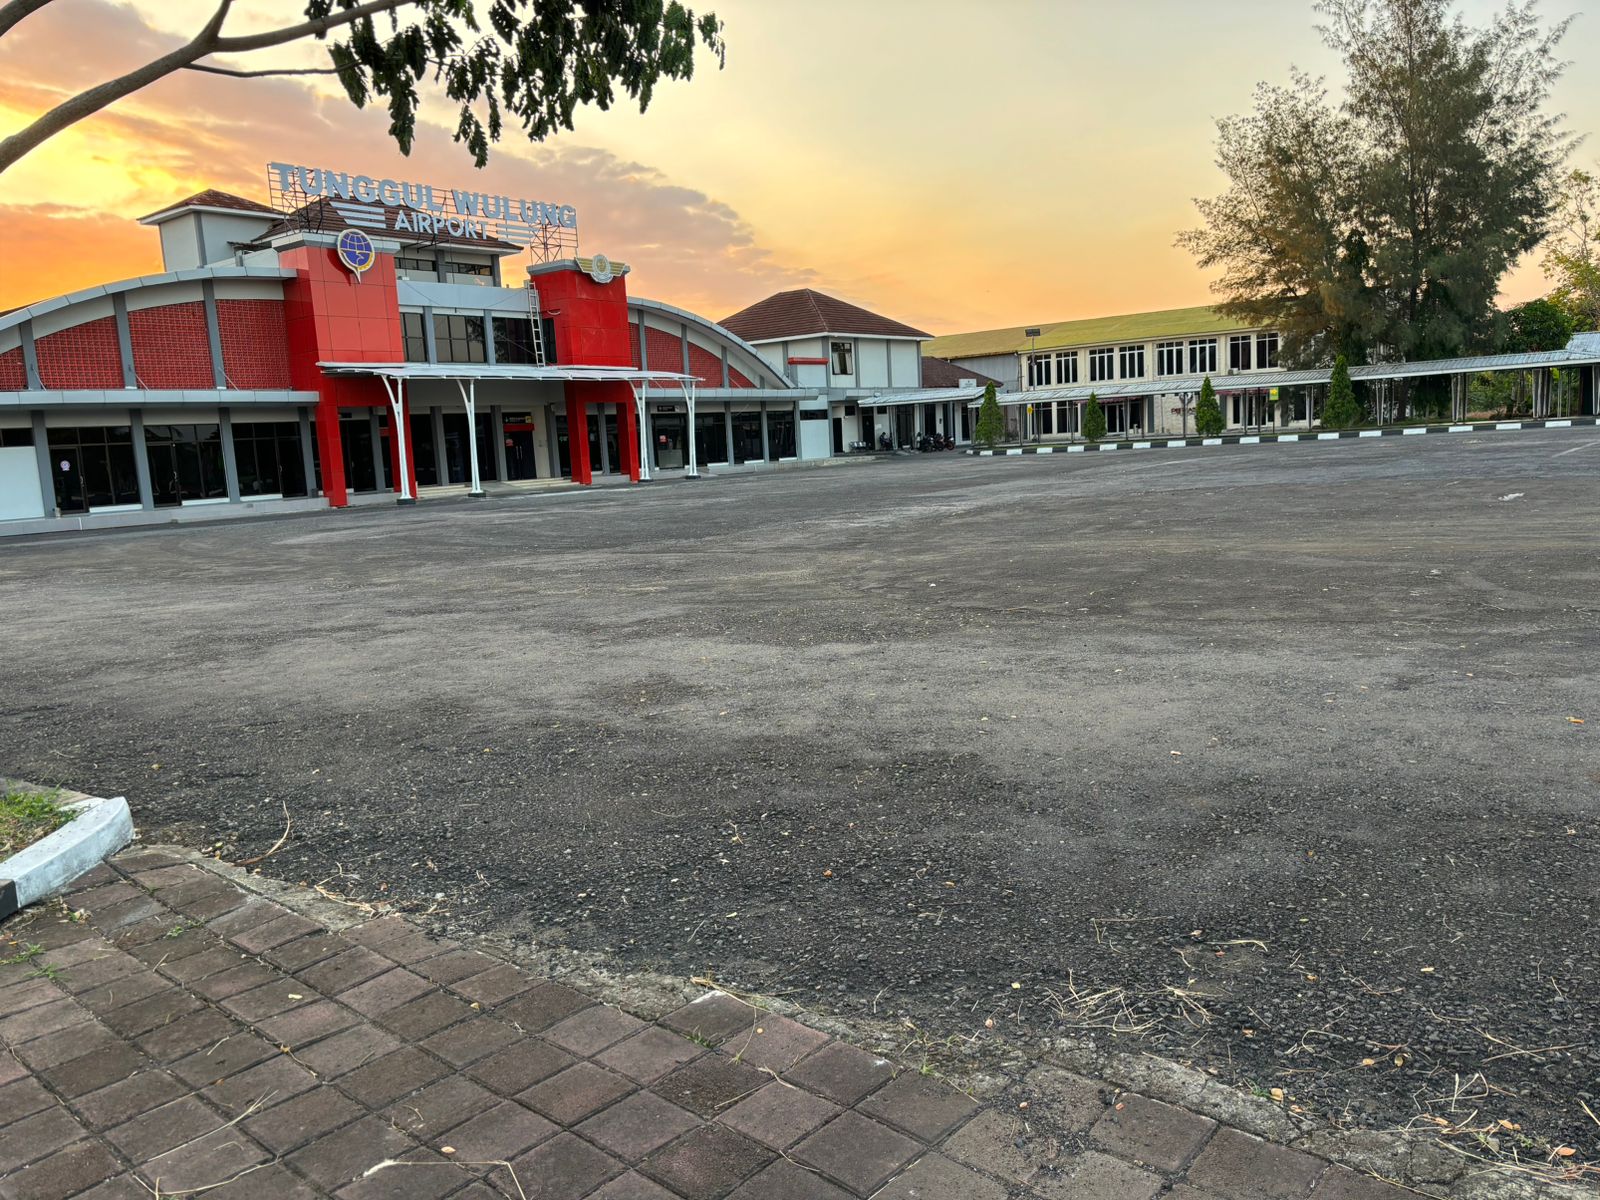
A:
(101, 828)
(1263, 439)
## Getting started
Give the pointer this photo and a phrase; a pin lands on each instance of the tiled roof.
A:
(942, 373)
(212, 198)
(804, 312)
(1130, 327)
(321, 217)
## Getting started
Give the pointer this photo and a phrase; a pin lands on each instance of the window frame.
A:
(1202, 355)
(1066, 367)
(841, 351)
(1237, 342)
(1266, 350)
(1102, 364)
(1130, 354)
(1169, 358)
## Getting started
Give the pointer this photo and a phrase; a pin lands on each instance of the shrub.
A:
(1094, 419)
(1208, 420)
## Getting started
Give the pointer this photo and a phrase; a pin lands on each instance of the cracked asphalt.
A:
(1263, 758)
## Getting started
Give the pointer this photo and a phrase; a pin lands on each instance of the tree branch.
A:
(231, 73)
(207, 42)
(292, 33)
(13, 12)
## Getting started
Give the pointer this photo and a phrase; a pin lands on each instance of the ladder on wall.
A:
(536, 320)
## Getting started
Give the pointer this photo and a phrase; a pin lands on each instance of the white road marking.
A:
(1575, 449)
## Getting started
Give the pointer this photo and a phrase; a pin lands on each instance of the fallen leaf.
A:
(447, 1149)
(988, 1023)
(1277, 1094)
(1565, 1151)
(828, 874)
(1428, 970)
(1023, 1104)
(296, 996)
(1575, 720)
(1016, 987)
(1369, 1062)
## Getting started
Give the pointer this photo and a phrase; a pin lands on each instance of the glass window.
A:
(1066, 366)
(514, 341)
(711, 437)
(16, 437)
(843, 355)
(414, 267)
(1132, 362)
(1102, 364)
(780, 434)
(1266, 351)
(93, 467)
(415, 337)
(1203, 356)
(458, 338)
(1239, 352)
(1039, 370)
(465, 268)
(269, 459)
(185, 463)
(1169, 358)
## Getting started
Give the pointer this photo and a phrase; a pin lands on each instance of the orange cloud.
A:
(67, 212)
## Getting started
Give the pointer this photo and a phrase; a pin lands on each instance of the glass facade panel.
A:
(1066, 367)
(1132, 362)
(1203, 356)
(1239, 352)
(413, 335)
(185, 463)
(1169, 358)
(1102, 364)
(711, 437)
(513, 341)
(93, 467)
(269, 459)
(458, 338)
(746, 437)
(1266, 350)
(780, 434)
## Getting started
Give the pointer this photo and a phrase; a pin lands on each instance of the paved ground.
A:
(1260, 758)
(183, 1037)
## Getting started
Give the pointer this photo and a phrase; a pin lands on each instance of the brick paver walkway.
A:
(186, 1037)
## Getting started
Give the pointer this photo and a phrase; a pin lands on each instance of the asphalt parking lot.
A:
(1268, 756)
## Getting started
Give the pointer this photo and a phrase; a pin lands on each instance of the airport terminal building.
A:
(353, 339)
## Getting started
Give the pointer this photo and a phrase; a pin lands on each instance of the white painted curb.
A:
(101, 828)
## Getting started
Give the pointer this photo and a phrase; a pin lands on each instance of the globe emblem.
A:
(356, 251)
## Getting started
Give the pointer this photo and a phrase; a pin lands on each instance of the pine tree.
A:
(1208, 420)
(1094, 419)
(1342, 410)
(991, 421)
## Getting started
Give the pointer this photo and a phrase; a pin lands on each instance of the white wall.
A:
(20, 496)
(905, 366)
(872, 362)
(815, 437)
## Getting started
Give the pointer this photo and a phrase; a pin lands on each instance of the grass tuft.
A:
(27, 816)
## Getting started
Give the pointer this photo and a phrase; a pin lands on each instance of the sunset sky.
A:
(957, 166)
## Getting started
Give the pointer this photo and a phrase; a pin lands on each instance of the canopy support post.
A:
(469, 397)
(644, 433)
(688, 398)
(396, 389)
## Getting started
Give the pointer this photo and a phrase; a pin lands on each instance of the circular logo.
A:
(355, 251)
(600, 269)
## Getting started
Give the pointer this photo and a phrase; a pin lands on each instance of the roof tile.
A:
(803, 312)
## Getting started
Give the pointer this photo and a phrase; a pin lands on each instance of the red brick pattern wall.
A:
(170, 346)
(255, 344)
(737, 378)
(666, 351)
(705, 366)
(85, 356)
(13, 375)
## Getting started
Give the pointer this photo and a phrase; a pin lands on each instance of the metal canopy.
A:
(1581, 351)
(505, 371)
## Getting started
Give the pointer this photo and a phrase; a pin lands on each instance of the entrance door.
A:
(356, 434)
(838, 435)
(671, 450)
(563, 448)
(905, 424)
(67, 467)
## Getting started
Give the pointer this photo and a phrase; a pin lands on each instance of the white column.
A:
(397, 406)
(469, 397)
(644, 434)
(688, 399)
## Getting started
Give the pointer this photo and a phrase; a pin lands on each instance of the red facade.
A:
(255, 348)
(13, 372)
(171, 348)
(85, 356)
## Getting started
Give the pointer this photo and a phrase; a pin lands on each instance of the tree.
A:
(1573, 258)
(542, 59)
(1380, 227)
(1537, 325)
(1342, 410)
(1094, 419)
(991, 421)
(1208, 420)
